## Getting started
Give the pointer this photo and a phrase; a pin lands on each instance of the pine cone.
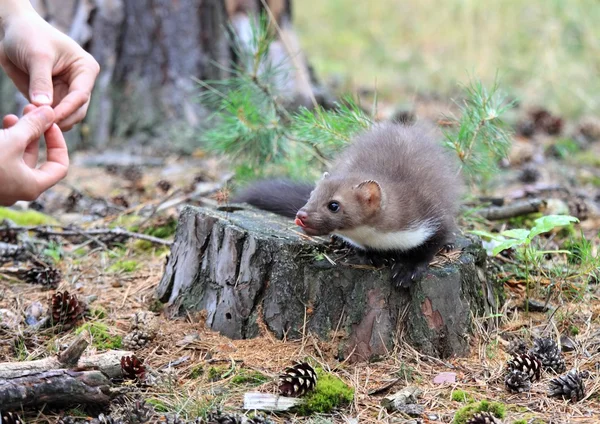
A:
(133, 368)
(528, 364)
(143, 329)
(65, 309)
(9, 235)
(483, 418)
(10, 418)
(217, 417)
(44, 276)
(517, 347)
(568, 386)
(517, 381)
(548, 353)
(297, 380)
(164, 185)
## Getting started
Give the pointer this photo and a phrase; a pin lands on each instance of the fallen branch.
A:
(63, 379)
(513, 210)
(70, 232)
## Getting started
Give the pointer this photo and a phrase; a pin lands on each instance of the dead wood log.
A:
(55, 387)
(64, 379)
(242, 266)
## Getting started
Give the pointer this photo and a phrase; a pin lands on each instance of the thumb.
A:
(40, 82)
(31, 126)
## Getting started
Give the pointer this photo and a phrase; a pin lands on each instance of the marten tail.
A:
(281, 196)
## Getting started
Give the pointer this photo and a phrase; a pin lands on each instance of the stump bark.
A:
(243, 265)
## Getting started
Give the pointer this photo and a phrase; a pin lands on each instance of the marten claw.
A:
(403, 274)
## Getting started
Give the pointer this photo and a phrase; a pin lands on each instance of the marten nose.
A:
(300, 217)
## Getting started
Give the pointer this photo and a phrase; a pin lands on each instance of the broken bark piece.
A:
(243, 265)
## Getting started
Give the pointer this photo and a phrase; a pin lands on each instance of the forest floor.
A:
(202, 370)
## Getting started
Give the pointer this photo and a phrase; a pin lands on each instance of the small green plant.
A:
(467, 411)
(249, 377)
(218, 373)
(522, 239)
(54, 251)
(462, 396)
(479, 136)
(124, 266)
(197, 372)
(101, 335)
(520, 422)
(330, 393)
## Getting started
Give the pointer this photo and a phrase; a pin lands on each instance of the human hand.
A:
(47, 66)
(19, 147)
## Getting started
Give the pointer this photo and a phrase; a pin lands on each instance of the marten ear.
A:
(369, 194)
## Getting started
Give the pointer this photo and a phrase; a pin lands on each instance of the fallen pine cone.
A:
(483, 418)
(568, 386)
(297, 380)
(10, 418)
(517, 381)
(547, 352)
(65, 309)
(44, 276)
(133, 368)
(527, 364)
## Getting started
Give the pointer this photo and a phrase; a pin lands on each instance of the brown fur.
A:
(408, 178)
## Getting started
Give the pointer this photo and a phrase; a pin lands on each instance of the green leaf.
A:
(517, 233)
(550, 222)
(506, 245)
(488, 235)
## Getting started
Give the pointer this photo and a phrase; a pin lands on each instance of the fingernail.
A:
(41, 99)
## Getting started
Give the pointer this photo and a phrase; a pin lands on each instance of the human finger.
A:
(57, 159)
(40, 80)
(74, 118)
(31, 126)
(80, 88)
(9, 120)
(28, 108)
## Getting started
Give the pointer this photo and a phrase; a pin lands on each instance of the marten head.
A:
(339, 204)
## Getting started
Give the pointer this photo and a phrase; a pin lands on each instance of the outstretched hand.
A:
(19, 142)
(48, 67)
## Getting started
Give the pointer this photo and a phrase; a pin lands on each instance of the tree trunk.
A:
(150, 51)
(243, 267)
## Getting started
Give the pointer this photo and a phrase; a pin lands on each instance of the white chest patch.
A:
(369, 237)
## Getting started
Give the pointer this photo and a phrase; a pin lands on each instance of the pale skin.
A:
(57, 76)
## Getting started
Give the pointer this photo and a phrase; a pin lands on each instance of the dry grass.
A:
(545, 52)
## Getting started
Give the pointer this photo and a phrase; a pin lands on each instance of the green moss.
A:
(466, 412)
(462, 396)
(565, 148)
(98, 312)
(249, 377)
(123, 266)
(156, 306)
(574, 330)
(101, 336)
(76, 412)
(217, 373)
(158, 405)
(197, 372)
(520, 422)
(26, 218)
(330, 393)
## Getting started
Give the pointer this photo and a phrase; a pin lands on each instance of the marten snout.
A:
(301, 216)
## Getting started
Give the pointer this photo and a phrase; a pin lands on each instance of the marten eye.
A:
(333, 206)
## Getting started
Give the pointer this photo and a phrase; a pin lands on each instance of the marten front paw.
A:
(447, 248)
(404, 274)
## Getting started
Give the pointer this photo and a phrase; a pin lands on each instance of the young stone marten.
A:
(393, 192)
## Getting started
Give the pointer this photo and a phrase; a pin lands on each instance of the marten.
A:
(392, 192)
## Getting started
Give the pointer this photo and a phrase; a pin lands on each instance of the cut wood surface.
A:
(244, 266)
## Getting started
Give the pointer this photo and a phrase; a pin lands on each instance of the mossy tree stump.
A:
(241, 266)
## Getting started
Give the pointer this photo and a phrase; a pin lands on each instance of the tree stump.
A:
(244, 266)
